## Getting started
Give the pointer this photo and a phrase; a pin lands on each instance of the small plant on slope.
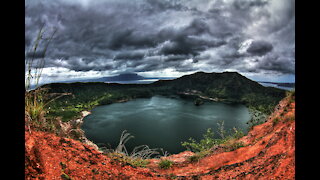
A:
(206, 143)
(35, 101)
(139, 155)
(165, 164)
(202, 148)
(221, 130)
(198, 155)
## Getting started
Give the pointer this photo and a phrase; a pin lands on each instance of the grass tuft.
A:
(199, 155)
(165, 164)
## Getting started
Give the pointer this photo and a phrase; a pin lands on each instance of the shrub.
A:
(165, 164)
(34, 105)
(124, 159)
(221, 130)
(204, 144)
(138, 162)
(276, 121)
(238, 133)
(257, 117)
(199, 155)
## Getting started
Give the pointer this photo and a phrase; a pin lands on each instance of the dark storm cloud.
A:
(35, 55)
(188, 45)
(259, 48)
(130, 38)
(129, 55)
(244, 5)
(278, 63)
(177, 57)
(150, 35)
(149, 67)
(188, 40)
(161, 5)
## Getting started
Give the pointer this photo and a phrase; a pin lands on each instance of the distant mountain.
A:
(122, 77)
(226, 86)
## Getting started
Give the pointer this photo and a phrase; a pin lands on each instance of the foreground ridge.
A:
(268, 153)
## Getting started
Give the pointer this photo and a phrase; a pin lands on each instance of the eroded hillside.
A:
(268, 153)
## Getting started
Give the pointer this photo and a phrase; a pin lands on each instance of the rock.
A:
(198, 102)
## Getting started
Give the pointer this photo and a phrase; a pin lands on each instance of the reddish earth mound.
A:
(51, 157)
(268, 153)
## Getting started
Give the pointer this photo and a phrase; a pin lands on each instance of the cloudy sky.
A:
(164, 38)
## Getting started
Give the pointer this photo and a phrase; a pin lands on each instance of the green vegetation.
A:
(276, 121)
(65, 176)
(34, 105)
(257, 117)
(205, 145)
(124, 159)
(237, 134)
(199, 155)
(165, 164)
(85, 98)
(208, 141)
(221, 130)
(138, 162)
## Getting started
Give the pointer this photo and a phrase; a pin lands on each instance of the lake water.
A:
(161, 122)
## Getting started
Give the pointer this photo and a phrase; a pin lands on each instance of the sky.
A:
(163, 38)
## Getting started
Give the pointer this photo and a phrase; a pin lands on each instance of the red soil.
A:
(50, 157)
(269, 153)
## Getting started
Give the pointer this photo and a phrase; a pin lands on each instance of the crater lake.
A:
(161, 122)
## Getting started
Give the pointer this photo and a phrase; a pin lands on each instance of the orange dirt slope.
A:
(48, 156)
(269, 153)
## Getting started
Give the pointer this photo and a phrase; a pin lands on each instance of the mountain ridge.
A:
(227, 87)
